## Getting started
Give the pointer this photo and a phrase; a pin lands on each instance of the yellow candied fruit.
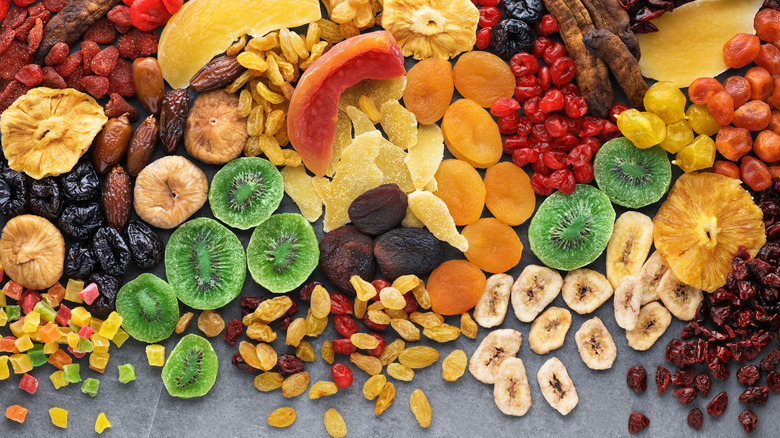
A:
(110, 326)
(58, 380)
(95, 324)
(120, 337)
(73, 339)
(644, 129)
(80, 316)
(156, 355)
(72, 290)
(4, 372)
(21, 363)
(64, 331)
(31, 322)
(50, 347)
(23, 343)
(59, 417)
(16, 328)
(101, 423)
(3, 317)
(2, 299)
(100, 344)
(98, 361)
(700, 154)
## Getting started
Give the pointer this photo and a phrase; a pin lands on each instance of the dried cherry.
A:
(637, 422)
(748, 375)
(81, 221)
(773, 381)
(685, 394)
(288, 364)
(717, 406)
(683, 377)
(695, 418)
(748, 420)
(756, 395)
(79, 261)
(146, 247)
(342, 375)
(636, 378)
(769, 362)
(340, 304)
(345, 325)
(702, 383)
(234, 328)
(343, 346)
(239, 363)
(111, 251)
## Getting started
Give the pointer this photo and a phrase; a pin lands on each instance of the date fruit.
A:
(173, 118)
(111, 143)
(378, 210)
(216, 74)
(149, 85)
(345, 252)
(142, 145)
(117, 198)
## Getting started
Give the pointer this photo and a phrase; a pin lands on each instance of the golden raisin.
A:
(282, 417)
(385, 399)
(454, 365)
(391, 352)
(295, 384)
(268, 381)
(420, 407)
(335, 424)
(210, 323)
(373, 386)
(400, 372)
(183, 322)
(418, 357)
(322, 388)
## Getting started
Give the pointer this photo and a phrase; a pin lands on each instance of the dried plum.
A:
(46, 198)
(111, 251)
(378, 210)
(510, 37)
(405, 251)
(108, 286)
(79, 260)
(81, 183)
(13, 192)
(146, 247)
(529, 11)
(81, 221)
(345, 252)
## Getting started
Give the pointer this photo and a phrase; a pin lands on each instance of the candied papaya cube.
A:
(17, 327)
(16, 413)
(59, 417)
(63, 315)
(4, 371)
(28, 383)
(101, 423)
(51, 347)
(85, 332)
(71, 373)
(72, 290)
(3, 318)
(80, 316)
(49, 333)
(37, 356)
(126, 373)
(110, 326)
(60, 358)
(58, 379)
(155, 354)
(8, 345)
(57, 292)
(21, 363)
(90, 386)
(13, 290)
(23, 343)
(99, 343)
(31, 322)
(98, 361)
(45, 310)
(13, 312)
(96, 323)
(89, 294)
(28, 300)
(120, 337)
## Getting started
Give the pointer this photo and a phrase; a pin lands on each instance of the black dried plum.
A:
(510, 37)
(14, 194)
(79, 260)
(81, 183)
(108, 286)
(529, 11)
(378, 210)
(408, 251)
(145, 245)
(46, 198)
(345, 252)
(111, 251)
(81, 221)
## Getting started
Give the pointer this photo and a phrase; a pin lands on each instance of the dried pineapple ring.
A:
(431, 28)
(46, 131)
(32, 251)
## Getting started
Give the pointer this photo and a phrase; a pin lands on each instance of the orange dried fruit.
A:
(509, 195)
(493, 246)
(455, 287)
(461, 188)
(429, 89)
(471, 134)
(483, 77)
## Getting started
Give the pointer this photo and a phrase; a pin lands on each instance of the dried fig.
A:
(405, 251)
(378, 210)
(169, 190)
(32, 251)
(345, 252)
(215, 133)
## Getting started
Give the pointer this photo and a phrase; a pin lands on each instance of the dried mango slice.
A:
(378, 90)
(433, 212)
(399, 124)
(424, 157)
(343, 139)
(298, 186)
(360, 121)
(391, 162)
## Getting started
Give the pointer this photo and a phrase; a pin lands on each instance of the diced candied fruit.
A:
(71, 373)
(59, 417)
(59, 359)
(126, 373)
(101, 423)
(111, 325)
(89, 293)
(155, 354)
(80, 316)
(58, 379)
(98, 361)
(31, 322)
(16, 413)
(23, 343)
(28, 383)
(90, 386)
(72, 290)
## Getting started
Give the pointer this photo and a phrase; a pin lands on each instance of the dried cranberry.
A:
(748, 420)
(686, 394)
(411, 303)
(695, 418)
(636, 378)
(293, 309)
(523, 93)
(539, 184)
(305, 293)
(563, 180)
(718, 404)
(345, 325)
(637, 422)
(376, 352)
(556, 125)
(575, 106)
(489, 16)
(702, 383)
(232, 330)
(289, 364)
(250, 303)
(511, 143)
(544, 77)
(773, 381)
(683, 377)
(284, 322)
(343, 346)
(583, 174)
(342, 375)
(239, 363)
(340, 304)
(756, 395)
(483, 38)
(748, 375)
(769, 362)
(372, 325)
(718, 369)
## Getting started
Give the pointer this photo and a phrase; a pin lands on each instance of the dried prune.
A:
(345, 252)
(510, 37)
(108, 286)
(378, 210)
(111, 251)
(81, 221)
(748, 375)
(636, 378)
(79, 260)
(695, 418)
(288, 364)
(756, 395)
(13, 192)
(146, 247)
(637, 422)
(405, 251)
(748, 420)
(45, 198)
(81, 183)
(529, 11)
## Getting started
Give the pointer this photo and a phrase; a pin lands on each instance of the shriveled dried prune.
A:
(79, 260)
(345, 252)
(529, 11)
(405, 251)
(108, 286)
(81, 221)
(510, 37)
(379, 210)
(145, 245)
(46, 198)
(111, 251)
(13, 192)
(81, 183)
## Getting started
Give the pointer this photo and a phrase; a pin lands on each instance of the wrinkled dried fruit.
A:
(215, 133)
(378, 210)
(345, 252)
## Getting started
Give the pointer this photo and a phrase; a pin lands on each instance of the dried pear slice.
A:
(32, 251)
(425, 156)
(46, 131)
(433, 212)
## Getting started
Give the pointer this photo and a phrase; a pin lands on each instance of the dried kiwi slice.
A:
(570, 231)
(204, 262)
(148, 307)
(191, 368)
(282, 252)
(630, 176)
(245, 192)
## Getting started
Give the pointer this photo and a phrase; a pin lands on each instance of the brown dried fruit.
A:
(404, 251)
(345, 252)
(216, 74)
(168, 191)
(215, 133)
(149, 85)
(183, 322)
(32, 250)
(142, 145)
(173, 117)
(378, 210)
(117, 198)
(111, 143)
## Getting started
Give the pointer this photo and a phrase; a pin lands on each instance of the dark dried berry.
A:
(636, 378)
(769, 362)
(637, 422)
(702, 383)
(250, 303)
(340, 304)
(108, 286)
(683, 377)
(79, 261)
(239, 363)
(146, 247)
(756, 395)
(529, 11)
(293, 309)
(695, 418)
(289, 364)
(686, 394)
(718, 369)
(232, 330)
(773, 381)
(748, 420)
(216, 74)
(173, 117)
(305, 293)
(748, 375)
(345, 252)
(45, 198)
(511, 36)
(81, 183)
(378, 210)
(81, 221)
(111, 251)
(408, 251)
(718, 404)
(662, 379)
(14, 195)
(284, 322)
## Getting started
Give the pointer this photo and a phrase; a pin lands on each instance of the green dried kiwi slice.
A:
(571, 231)
(148, 307)
(245, 192)
(191, 368)
(282, 252)
(205, 264)
(630, 176)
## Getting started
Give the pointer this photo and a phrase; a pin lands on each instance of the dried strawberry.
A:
(5, 39)
(36, 35)
(148, 14)
(52, 79)
(4, 5)
(172, 6)
(57, 55)
(137, 44)
(128, 2)
(14, 18)
(35, 9)
(121, 79)
(54, 5)
(23, 3)
(74, 80)
(95, 85)
(71, 64)
(30, 75)
(24, 29)
(17, 56)
(104, 62)
(88, 51)
(12, 91)
(120, 16)
(101, 31)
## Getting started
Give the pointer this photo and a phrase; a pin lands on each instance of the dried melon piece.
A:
(424, 157)
(433, 212)
(399, 124)
(360, 121)
(379, 90)
(391, 162)
(410, 220)
(298, 186)
(343, 139)
(355, 174)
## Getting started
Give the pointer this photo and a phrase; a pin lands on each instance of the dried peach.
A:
(509, 195)
(471, 134)
(429, 89)
(493, 246)
(483, 77)
(461, 188)
(455, 287)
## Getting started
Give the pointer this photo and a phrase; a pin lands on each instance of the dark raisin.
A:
(234, 328)
(146, 247)
(81, 183)
(13, 192)
(45, 198)
(79, 261)
(108, 286)
(239, 363)
(662, 378)
(702, 383)
(686, 394)
(511, 36)
(81, 221)
(111, 251)
(637, 422)
(748, 375)
(718, 404)
(748, 420)
(289, 364)
(756, 395)
(529, 11)
(769, 362)
(695, 418)
(773, 381)
(683, 377)
(636, 378)
(305, 293)
(718, 369)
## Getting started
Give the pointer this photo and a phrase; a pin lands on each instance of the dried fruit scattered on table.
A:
(680, 299)
(148, 307)
(429, 89)
(511, 391)
(637, 422)
(652, 322)
(298, 186)
(636, 378)
(595, 344)
(535, 288)
(548, 331)
(116, 198)
(191, 368)
(168, 191)
(245, 192)
(46, 131)
(215, 133)
(431, 28)
(627, 250)
(494, 349)
(490, 310)
(32, 251)
(424, 157)
(142, 145)
(173, 117)
(557, 387)
(627, 300)
(471, 134)
(701, 223)
(584, 290)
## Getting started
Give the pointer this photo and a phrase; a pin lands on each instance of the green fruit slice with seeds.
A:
(245, 192)
(282, 252)
(191, 368)
(205, 264)
(148, 308)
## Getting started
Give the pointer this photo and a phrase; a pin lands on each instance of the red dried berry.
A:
(30, 75)
(234, 328)
(241, 364)
(540, 185)
(105, 62)
(96, 86)
(52, 79)
(342, 375)
(120, 16)
(148, 15)
(686, 394)
(289, 364)
(57, 55)
(616, 110)
(504, 106)
(54, 5)
(524, 64)
(72, 62)
(293, 309)
(683, 377)
(411, 303)
(637, 422)
(695, 418)
(343, 346)
(121, 79)
(483, 38)
(250, 303)
(305, 293)
(17, 56)
(636, 378)
(702, 383)
(553, 52)
(5, 39)
(756, 395)
(547, 25)
(284, 322)
(22, 3)
(562, 70)
(717, 406)
(748, 420)
(172, 6)
(769, 362)
(137, 44)
(748, 375)
(117, 106)
(12, 91)
(489, 16)
(379, 284)
(544, 77)
(583, 174)
(575, 106)
(340, 304)
(551, 101)
(345, 325)
(376, 352)
(36, 35)
(523, 155)
(372, 325)
(15, 17)
(773, 381)
(88, 51)
(508, 124)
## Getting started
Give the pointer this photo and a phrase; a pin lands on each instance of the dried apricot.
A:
(733, 143)
(753, 116)
(769, 58)
(455, 287)
(508, 193)
(741, 50)
(493, 246)
(721, 107)
(774, 122)
(727, 168)
(702, 89)
(767, 25)
(461, 188)
(471, 134)
(429, 89)
(754, 173)
(774, 99)
(483, 77)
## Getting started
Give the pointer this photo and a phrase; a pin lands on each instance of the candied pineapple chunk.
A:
(433, 212)
(298, 186)
(424, 157)
(399, 124)
(391, 162)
